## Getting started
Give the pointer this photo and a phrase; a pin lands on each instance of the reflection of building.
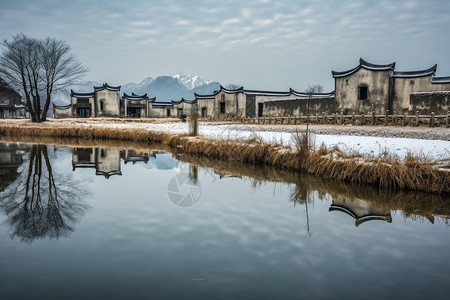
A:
(360, 210)
(105, 161)
(10, 160)
(131, 156)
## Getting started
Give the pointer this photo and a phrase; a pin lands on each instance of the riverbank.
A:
(385, 171)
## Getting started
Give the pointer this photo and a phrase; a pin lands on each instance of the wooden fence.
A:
(371, 119)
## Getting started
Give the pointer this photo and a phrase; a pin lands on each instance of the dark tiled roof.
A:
(62, 106)
(365, 65)
(108, 87)
(437, 80)
(162, 105)
(185, 101)
(81, 95)
(134, 97)
(314, 95)
(411, 74)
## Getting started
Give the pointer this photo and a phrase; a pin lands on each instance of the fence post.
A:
(404, 119)
(373, 117)
(395, 117)
(432, 119)
(363, 119)
(341, 117)
(417, 118)
(447, 121)
(386, 120)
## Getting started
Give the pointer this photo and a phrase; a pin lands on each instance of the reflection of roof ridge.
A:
(360, 220)
(108, 174)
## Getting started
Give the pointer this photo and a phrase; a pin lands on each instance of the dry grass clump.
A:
(387, 173)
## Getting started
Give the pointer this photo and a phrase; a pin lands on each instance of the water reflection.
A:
(361, 210)
(40, 203)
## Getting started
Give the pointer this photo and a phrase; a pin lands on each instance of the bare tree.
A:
(316, 88)
(40, 68)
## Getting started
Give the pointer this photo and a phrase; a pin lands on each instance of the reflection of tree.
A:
(193, 174)
(301, 195)
(39, 204)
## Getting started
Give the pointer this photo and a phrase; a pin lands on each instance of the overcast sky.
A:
(261, 44)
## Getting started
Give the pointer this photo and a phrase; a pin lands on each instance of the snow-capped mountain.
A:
(191, 81)
(166, 88)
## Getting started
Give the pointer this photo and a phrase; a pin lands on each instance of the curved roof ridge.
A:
(437, 80)
(296, 93)
(366, 65)
(134, 97)
(108, 87)
(229, 91)
(61, 106)
(78, 94)
(199, 96)
(266, 93)
(369, 65)
(419, 73)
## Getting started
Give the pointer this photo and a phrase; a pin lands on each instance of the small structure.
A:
(103, 102)
(136, 106)
(10, 102)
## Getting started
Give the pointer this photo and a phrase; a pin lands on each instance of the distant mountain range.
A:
(164, 88)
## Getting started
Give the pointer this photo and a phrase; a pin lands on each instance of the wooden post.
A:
(417, 118)
(432, 119)
(395, 117)
(386, 116)
(353, 118)
(323, 117)
(335, 118)
(373, 117)
(342, 118)
(404, 119)
(363, 119)
(447, 121)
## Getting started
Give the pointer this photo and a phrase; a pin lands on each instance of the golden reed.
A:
(411, 173)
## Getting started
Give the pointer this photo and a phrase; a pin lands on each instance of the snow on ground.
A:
(348, 140)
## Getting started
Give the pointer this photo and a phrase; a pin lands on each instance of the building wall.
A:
(107, 160)
(347, 95)
(143, 109)
(209, 105)
(403, 87)
(426, 103)
(63, 113)
(297, 107)
(111, 103)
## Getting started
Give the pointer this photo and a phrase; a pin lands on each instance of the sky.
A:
(259, 44)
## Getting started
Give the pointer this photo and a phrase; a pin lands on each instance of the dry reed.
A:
(411, 173)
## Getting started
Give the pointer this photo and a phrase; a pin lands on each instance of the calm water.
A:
(105, 223)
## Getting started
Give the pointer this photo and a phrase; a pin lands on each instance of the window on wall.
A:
(203, 112)
(101, 105)
(362, 93)
(222, 107)
(168, 112)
